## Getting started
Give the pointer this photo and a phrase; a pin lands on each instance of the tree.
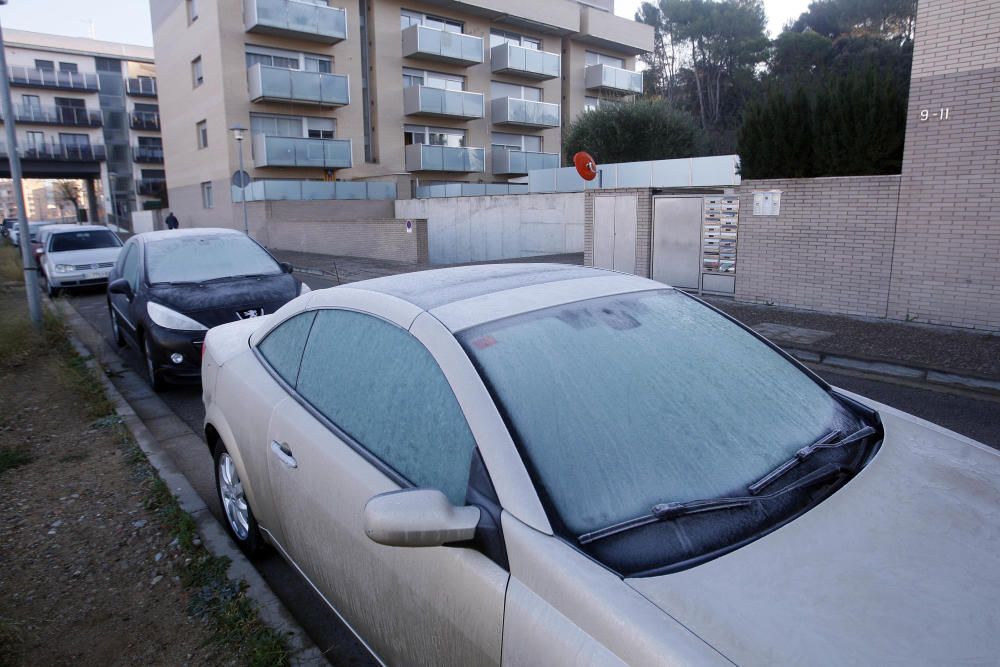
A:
(889, 19)
(68, 192)
(644, 129)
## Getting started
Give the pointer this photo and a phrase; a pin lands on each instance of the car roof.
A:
(55, 229)
(197, 232)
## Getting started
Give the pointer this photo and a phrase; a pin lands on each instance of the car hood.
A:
(76, 257)
(225, 301)
(900, 566)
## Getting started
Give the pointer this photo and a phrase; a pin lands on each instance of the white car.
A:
(33, 229)
(78, 256)
(553, 465)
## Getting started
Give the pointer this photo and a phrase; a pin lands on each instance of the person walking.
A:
(171, 221)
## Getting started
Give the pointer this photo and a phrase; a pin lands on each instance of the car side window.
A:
(382, 387)
(130, 265)
(283, 346)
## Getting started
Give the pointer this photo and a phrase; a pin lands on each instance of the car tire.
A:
(155, 381)
(53, 292)
(116, 330)
(237, 514)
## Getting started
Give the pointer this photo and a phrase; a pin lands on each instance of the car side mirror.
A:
(418, 518)
(286, 267)
(121, 286)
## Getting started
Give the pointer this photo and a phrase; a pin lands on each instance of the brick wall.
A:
(830, 249)
(947, 259)
(376, 239)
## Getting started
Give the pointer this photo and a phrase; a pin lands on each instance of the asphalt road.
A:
(967, 414)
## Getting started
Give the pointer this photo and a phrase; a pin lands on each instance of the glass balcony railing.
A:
(425, 157)
(520, 61)
(420, 41)
(45, 78)
(276, 84)
(147, 154)
(506, 161)
(513, 111)
(291, 18)
(298, 190)
(143, 86)
(57, 115)
(612, 79)
(144, 120)
(427, 101)
(59, 152)
(271, 151)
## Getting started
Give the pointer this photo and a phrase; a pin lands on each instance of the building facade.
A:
(371, 98)
(87, 109)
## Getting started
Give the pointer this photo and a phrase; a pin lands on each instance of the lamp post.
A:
(238, 131)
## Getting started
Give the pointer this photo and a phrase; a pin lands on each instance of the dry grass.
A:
(10, 265)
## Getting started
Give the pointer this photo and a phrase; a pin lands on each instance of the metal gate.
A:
(677, 240)
(615, 232)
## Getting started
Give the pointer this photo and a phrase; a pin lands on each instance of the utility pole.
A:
(24, 236)
(238, 131)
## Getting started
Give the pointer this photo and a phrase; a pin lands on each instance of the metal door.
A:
(615, 232)
(677, 241)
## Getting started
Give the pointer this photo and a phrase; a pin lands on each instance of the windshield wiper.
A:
(826, 442)
(666, 511)
(225, 278)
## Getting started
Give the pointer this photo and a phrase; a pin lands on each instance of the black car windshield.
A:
(85, 240)
(201, 258)
(623, 402)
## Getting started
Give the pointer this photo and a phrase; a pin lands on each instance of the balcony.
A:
(425, 157)
(420, 41)
(301, 20)
(58, 115)
(427, 101)
(509, 161)
(144, 120)
(525, 113)
(42, 78)
(141, 87)
(147, 154)
(616, 33)
(276, 84)
(60, 152)
(608, 79)
(150, 187)
(270, 151)
(527, 63)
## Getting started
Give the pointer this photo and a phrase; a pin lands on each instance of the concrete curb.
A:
(936, 378)
(95, 351)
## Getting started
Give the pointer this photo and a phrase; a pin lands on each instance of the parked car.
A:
(77, 256)
(33, 229)
(41, 239)
(582, 467)
(6, 226)
(169, 287)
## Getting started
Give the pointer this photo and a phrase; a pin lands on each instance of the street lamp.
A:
(238, 131)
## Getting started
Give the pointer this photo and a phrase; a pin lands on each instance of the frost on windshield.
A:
(624, 402)
(200, 258)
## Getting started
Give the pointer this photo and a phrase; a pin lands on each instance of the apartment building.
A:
(87, 109)
(366, 99)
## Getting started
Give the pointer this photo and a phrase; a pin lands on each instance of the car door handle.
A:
(284, 454)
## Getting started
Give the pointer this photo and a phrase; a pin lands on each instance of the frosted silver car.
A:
(553, 465)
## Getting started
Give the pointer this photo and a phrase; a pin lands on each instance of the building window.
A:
(192, 11)
(259, 55)
(201, 129)
(197, 72)
(433, 136)
(498, 37)
(45, 65)
(408, 18)
(591, 103)
(415, 77)
(594, 58)
(206, 195)
(499, 89)
(69, 67)
(517, 142)
(274, 125)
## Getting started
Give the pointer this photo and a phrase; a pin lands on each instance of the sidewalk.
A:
(917, 352)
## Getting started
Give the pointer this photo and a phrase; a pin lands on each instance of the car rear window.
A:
(86, 240)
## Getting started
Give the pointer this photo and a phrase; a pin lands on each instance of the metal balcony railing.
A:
(59, 152)
(612, 79)
(44, 78)
(528, 113)
(509, 161)
(57, 115)
(147, 154)
(427, 101)
(302, 20)
(277, 84)
(141, 86)
(426, 157)
(521, 61)
(420, 41)
(271, 151)
(144, 120)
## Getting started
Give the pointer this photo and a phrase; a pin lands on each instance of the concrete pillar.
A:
(91, 201)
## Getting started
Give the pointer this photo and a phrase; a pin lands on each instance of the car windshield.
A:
(84, 240)
(624, 402)
(201, 258)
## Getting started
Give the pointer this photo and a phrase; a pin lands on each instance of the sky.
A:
(128, 20)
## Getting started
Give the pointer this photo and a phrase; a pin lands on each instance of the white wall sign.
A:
(767, 202)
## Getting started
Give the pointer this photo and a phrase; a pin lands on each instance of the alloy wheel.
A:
(234, 502)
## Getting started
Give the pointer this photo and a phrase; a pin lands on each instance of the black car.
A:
(168, 288)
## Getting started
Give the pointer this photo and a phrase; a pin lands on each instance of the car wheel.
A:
(53, 292)
(155, 381)
(116, 330)
(239, 519)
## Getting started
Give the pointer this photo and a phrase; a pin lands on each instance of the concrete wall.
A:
(830, 249)
(467, 229)
(375, 239)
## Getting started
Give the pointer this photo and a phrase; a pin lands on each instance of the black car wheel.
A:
(116, 331)
(155, 381)
(53, 292)
(240, 522)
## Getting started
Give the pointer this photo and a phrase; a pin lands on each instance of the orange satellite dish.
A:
(585, 165)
